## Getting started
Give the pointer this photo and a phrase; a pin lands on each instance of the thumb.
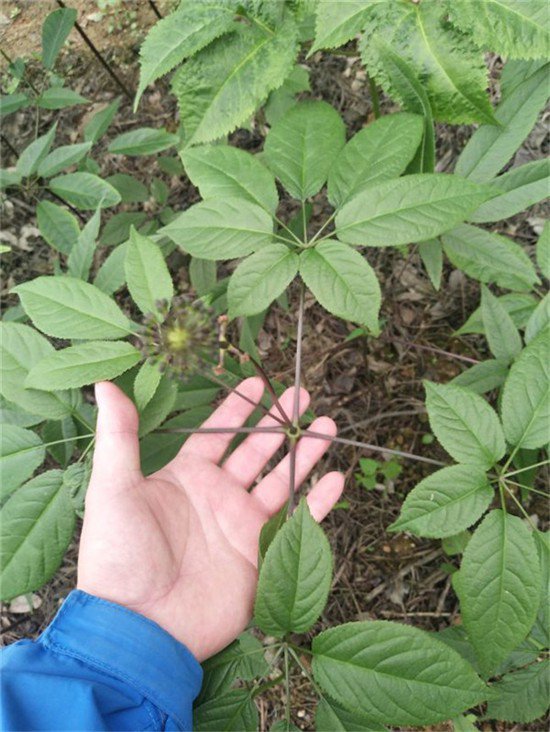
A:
(116, 455)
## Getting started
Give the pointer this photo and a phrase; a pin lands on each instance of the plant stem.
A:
(154, 8)
(374, 97)
(288, 230)
(292, 478)
(298, 362)
(10, 147)
(518, 504)
(376, 448)
(27, 80)
(287, 687)
(528, 488)
(223, 430)
(231, 389)
(323, 227)
(431, 349)
(269, 386)
(522, 470)
(74, 210)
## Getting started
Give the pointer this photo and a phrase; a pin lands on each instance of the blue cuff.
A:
(128, 646)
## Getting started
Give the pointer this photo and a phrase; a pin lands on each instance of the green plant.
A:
(372, 472)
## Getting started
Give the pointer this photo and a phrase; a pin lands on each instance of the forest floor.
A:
(371, 387)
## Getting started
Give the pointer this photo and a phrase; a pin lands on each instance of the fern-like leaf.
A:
(515, 28)
(220, 87)
(180, 35)
(446, 62)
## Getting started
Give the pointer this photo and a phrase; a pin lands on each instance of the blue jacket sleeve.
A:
(99, 666)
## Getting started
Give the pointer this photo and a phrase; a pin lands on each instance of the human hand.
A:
(181, 546)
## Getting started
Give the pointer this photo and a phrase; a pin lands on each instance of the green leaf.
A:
(111, 276)
(446, 502)
(58, 226)
(499, 587)
(197, 391)
(456, 543)
(512, 28)
(526, 396)
(521, 696)
(38, 523)
(221, 229)
(55, 431)
(517, 190)
(343, 282)
(541, 629)
(234, 711)
(518, 306)
(180, 35)
(483, 377)
(466, 426)
(65, 307)
(282, 99)
(9, 178)
(501, 333)
(84, 191)
(543, 251)
(131, 190)
(21, 348)
(243, 659)
(117, 229)
(220, 171)
(33, 154)
(516, 72)
(55, 30)
(270, 530)
(261, 278)
(539, 320)
(21, 452)
(295, 577)
(145, 385)
(10, 103)
(61, 158)
(464, 723)
(413, 208)
(489, 257)
(338, 22)
(331, 717)
(143, 141)
(203, 275)
(394, 673)
(83, 364)
(147, 275)
(222, 86)
(159, 406)
(431, 254)
(100, 122)
(380, 151)
(12, 413)
(450, 67)
(57, 97)
(491, 147)
(82, 254)
(302, 147)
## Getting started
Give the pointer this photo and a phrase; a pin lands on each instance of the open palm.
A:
(181, 546)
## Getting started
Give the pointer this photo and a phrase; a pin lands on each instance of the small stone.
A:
(21, 604)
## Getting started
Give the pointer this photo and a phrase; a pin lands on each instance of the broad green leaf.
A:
(159, 406)
(10, 103)
(61, 158)
(456, 638)
(446, 502)
(518, 306)
(76, 479)
(83, 364)
(157, 449)
(261, 278)
(380, 151)
(343, 282)
(521, 696)
(516, 72)
(281, 725)
(143, 141)
(501, 333)
(302, 147)
(221, 229)
(131, 190)
(331, 717)
(21, 452)
(12, 413)
(65, 307)
(394, 673)
(492, 146)
(234, 711)
(450, 67)
(539, 319)
(413, 208)
(270, 530)
(58, 226)
(282, 99)
(484, 376)
(526, 396)
(499, 587)
(38, 523)
(57, 97)
(180, 35)
(489, 257)
(145, 385)
(466, 426)
(84, 191)
(220, 171)
(81, 257)
(33, 154)
(527, 652)
(464, 723)
(56, 431)
(517, 190)
(543, 251)
(147, 275)
(203, 275)
(117, 229)
(512, 28)
(456, 543)
(243, 659)
(111, 276)
(541, 629)
(197, 391)
(222, 86)
(338, 22)
(55, 30)
(295, 577)
(21, 348)
(431, 254)
(99, 123)
(9, 178)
